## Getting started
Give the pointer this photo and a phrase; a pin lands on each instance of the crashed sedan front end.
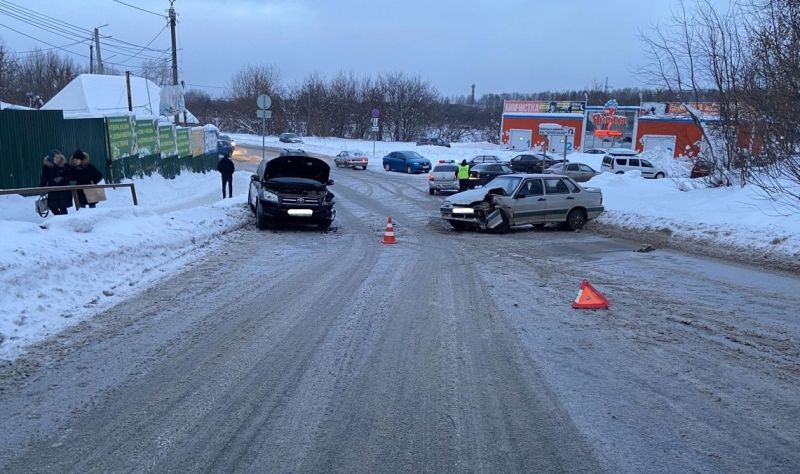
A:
(480, 207)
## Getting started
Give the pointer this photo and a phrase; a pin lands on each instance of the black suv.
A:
(292, 189)
(432, 141)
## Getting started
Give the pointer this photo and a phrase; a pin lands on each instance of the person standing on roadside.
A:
(226, 169)
(56, 173)
(462, 173)
(84, 172)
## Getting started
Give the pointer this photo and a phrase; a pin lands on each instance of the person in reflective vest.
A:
(462, 173)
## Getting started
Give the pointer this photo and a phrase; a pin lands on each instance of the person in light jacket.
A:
(226, 169)
(55, 172)
(84, 172)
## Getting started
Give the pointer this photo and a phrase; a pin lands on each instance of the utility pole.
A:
(97, 46)
(472, 98)
(174, 51)
(91, 58)
(128, 84)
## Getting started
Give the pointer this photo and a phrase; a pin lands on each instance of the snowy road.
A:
(303, 351)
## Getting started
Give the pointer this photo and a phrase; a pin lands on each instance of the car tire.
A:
(576, 219)
(504, 226)
(620, 172)
(659, 175)
(324, 225)
(458, 225)
(431, 191)
(408, 169)
(262, 222)
(386, 166)
(364, 168)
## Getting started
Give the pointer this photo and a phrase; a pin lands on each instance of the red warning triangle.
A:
(590, 298)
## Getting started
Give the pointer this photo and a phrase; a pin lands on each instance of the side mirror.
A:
(330, 182)
(253, 177)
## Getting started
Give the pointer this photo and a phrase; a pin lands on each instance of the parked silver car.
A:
(442, 178)
(351, 159)
(519, 199)
(577, 171)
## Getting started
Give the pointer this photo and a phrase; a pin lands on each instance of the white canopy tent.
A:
(95, 95)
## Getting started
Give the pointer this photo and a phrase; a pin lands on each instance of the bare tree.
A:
(157, 70)
(409, 104)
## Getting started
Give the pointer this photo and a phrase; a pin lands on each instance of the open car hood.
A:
(298, 167)
(466, 198)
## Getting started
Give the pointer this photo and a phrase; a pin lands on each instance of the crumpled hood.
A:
(470, 196)
(298, 167)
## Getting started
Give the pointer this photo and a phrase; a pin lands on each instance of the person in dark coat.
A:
(55, 172)
(84, 172)
(226, 169)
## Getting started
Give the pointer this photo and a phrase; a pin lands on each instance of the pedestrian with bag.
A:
(55, 172)
(226, 169)
(84, 172)
(462, 173)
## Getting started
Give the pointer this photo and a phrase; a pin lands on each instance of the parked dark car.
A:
(482, 173)
(292, 151)
(408, 161)
(432, 141)
(532, 162)
(702, 168)
(484, 159)
(292, 189)
(225, 147)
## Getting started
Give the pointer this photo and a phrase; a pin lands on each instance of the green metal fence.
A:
(26, 136)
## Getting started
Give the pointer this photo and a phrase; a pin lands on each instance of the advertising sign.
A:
(166, 140)
(147, 137)
(184, 138)
(210, 145)
(543, 107)
(121, 136)
(198, 141)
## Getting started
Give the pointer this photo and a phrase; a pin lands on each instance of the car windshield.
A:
(358, 153)
(508, 183)
(412, 155)
(288, 135)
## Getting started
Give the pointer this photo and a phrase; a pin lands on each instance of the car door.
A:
(572, 170)
(559, 199)
(529, 205)
(255, 182)
(586, 173)
(648, 170)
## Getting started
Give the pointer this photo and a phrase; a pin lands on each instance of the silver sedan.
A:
(577, 171)
(520, 199)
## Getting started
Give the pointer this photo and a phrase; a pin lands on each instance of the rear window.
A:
(443, 168)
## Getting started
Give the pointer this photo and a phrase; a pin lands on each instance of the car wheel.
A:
(458, 225)
(504, 226)
(576, 219)
(408, 169)
(620, 172)
(249, 201)
(386, 166)
(364, 168)
(431, 191)
(659, 175)
(324, 225)
(261, 220)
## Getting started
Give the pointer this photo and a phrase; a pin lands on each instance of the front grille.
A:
(300, 200)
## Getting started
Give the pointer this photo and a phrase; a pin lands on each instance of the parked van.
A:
(620, 160)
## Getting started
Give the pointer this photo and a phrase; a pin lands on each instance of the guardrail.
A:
(73, 188)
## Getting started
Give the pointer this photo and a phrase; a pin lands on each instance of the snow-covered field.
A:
(56, 272)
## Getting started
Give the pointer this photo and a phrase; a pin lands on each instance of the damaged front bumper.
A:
(482, 215)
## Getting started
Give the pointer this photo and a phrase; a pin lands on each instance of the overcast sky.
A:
(498, 45)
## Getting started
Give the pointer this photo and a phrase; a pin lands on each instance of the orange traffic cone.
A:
(388, 234)
(590, 298)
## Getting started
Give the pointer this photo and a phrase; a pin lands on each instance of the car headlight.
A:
(268, 196)
(447, 204)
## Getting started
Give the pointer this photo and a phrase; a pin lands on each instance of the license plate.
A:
(300, 212)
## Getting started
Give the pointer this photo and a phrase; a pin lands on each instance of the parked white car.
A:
(620, 160)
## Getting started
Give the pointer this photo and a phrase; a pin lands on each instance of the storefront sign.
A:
(607, 119)
(543, 107)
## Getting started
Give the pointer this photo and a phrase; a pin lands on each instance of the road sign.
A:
(374, 122)
(264, 102)
(376, 113)
(264, 114)
(375, 128)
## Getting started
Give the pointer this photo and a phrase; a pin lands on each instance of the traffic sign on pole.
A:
(264, 114)
(264, 102)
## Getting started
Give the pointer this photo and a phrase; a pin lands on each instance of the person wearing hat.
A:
(55, 172)
(462, 173)
(84, 172)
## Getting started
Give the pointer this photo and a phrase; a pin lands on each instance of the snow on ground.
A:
(93, 258)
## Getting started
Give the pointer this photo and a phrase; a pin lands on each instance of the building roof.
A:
(95, 95)
(6, 105)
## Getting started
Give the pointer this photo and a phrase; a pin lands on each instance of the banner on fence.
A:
(121, 136)
(167, 142)
(147, 137)
(184, 141)
(198, 141)
(211, 134)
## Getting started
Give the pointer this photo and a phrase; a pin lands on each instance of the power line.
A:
(148, 44)
(140, 9)
(56, 23)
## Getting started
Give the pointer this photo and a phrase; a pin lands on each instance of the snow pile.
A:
(56, 271)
